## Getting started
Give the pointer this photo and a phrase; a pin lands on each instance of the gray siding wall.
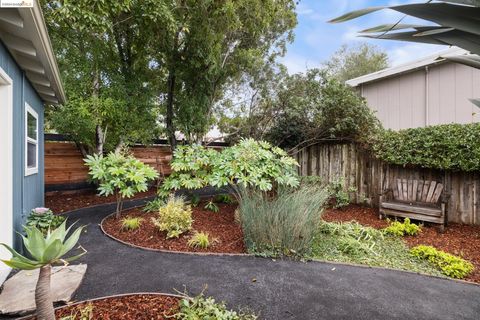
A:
(28, 192)
(422, 98)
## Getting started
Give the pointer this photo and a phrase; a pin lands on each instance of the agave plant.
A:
(44, 250)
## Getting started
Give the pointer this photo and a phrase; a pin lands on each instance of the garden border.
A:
(109, 297)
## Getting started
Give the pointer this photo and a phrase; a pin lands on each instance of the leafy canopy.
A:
(250, 164)
(45, 249)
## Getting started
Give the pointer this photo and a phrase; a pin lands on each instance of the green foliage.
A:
(352, 243)
(283, 225)
(131, 224)
(400, 229)
(446, 147)
(207, 309)
(199, 240)
(195, 200)
(350, 62)
(154, 205)
(174, 218)
(119, 174)
(44, 219)
(450, 265)
(45, 249)
(224, 198)
(212, 206)
(83, 313)
(249, 164)
(339, 193)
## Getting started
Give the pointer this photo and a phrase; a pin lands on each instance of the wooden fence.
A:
(370, 176)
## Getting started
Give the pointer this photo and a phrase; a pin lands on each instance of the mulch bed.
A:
(62, 202)
(226, 234)
(131, 307)
(458, 239)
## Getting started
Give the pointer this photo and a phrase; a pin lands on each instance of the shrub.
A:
(211, 206)
(199, 240)
(339, 193)
(174, 218)
(206, 308)
(43, 219)
(195, 200)
(131, 224)
(249, 164)
(154, 205)
(446, 147)
(284, 225)
(400, 229)
(121, 175)
(223, 198)
(450, 265)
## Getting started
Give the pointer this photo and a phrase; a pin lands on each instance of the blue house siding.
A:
(28, 191)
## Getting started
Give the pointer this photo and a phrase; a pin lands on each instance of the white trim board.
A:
(6, 169)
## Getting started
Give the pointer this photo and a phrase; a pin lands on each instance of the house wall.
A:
(437, 95)
(28, 192)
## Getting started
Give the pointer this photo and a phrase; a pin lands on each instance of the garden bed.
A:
(458, 239)
(60, 203)
(225, 234)
(127, 307)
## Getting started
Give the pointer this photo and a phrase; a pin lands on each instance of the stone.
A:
(18, 295)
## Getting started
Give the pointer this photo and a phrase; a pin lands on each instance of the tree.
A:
(456, 23)
(350, 62)
(212, 44)
(44, 250)
(105, 64)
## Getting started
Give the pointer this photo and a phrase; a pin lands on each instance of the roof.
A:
(24, 33)
(407, 67)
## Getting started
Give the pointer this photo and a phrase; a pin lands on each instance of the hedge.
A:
(448, 147)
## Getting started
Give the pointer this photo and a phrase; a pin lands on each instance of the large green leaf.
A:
(18, 257)
(34, 242)
(390, 27)
(52, 252)
(357, 13)
(17, 264)
(475, 3)
(71, 241)
(433, 31)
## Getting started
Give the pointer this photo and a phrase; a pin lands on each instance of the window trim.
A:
(33, 170)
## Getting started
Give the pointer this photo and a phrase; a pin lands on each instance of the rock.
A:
(18, 295)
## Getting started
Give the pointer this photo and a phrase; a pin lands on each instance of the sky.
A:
(316, 40)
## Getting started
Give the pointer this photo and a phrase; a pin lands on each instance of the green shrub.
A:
(223, 198)
(174, 218)
(207, 309)
(447, 147)
(339, 193)
(249, 164)
(400, 229)
(130, 224)
(199, 240)
(43, 219)
(154, 205)
(283, 225)
(195, 200)
(211, 206)
(120, 174)
(450, 265)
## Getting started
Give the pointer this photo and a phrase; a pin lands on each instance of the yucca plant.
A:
(44, 250)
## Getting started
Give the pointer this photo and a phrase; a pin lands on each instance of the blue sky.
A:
(316, 40)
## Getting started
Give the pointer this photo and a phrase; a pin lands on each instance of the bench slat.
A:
(405, 189)
(415, 216)
(399, 192)
(431, 190)
(426, 185)
(438, 192)
(412, 208)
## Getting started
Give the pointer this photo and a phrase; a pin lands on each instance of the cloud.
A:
(412, 51)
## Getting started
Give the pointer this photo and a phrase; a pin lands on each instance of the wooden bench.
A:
(415, 199)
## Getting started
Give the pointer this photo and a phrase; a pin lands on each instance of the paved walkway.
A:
(275, 289)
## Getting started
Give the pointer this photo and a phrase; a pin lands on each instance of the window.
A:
(31, 141)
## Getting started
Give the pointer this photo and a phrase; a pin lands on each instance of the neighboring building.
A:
(425, 92)
(29, 78)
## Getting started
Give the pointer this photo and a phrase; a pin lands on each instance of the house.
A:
(424, 92)
(29, 79)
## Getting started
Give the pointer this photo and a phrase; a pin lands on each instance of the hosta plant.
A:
(44, 250)
(131, 224)
(199, 240)
(44, 219)
(121, 175)
(250, 164)
(174, 218)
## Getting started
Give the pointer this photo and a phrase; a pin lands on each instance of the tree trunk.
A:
(119, 205)
(43, 295)
(172, 140)
(99, 140)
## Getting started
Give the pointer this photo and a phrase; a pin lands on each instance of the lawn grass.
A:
(353, 243)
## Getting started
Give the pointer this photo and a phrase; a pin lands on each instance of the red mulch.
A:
(62, 202)
(458, 239)
(133, 307)
(220, 226)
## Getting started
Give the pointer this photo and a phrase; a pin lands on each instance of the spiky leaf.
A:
(355, 14)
